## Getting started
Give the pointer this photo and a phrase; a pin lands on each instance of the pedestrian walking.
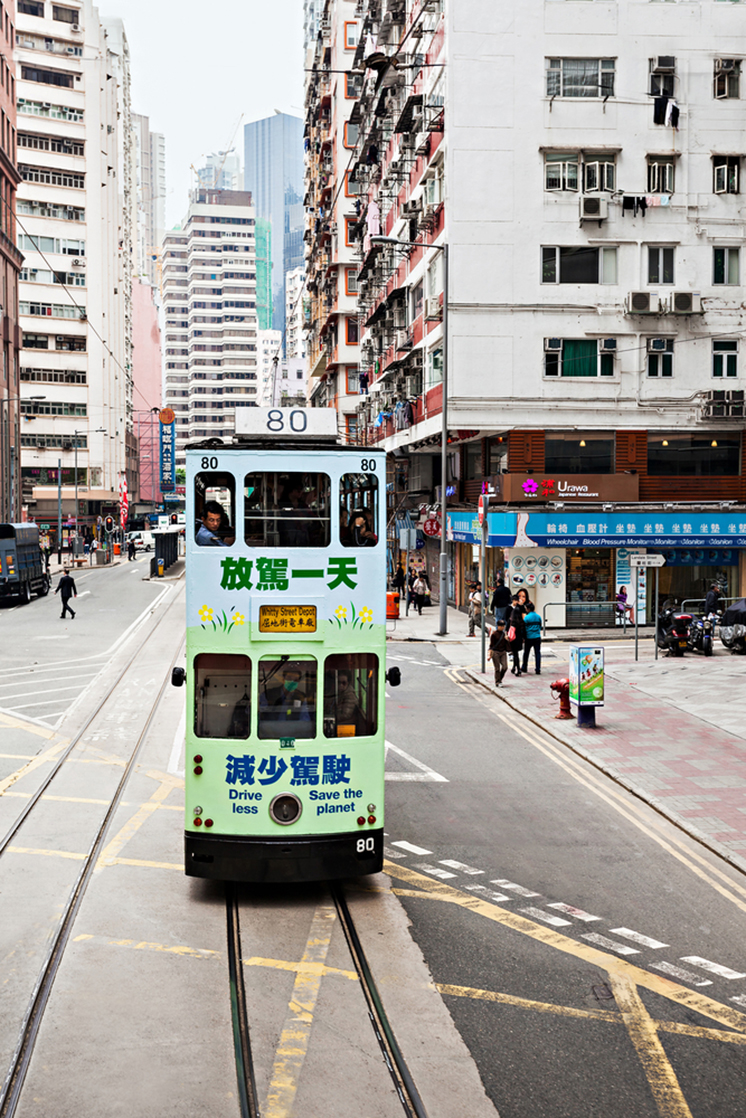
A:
(67, 590)
(419, 589)
(411, 578)
(399, 579)
(501, 599)
(532, 622)
(475, 608)
(498, 652)
(131, 550)
(516, 634)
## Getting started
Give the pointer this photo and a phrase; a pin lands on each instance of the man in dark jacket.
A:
(501, 600)
(498, 653)
(66, 589)
(712, 599)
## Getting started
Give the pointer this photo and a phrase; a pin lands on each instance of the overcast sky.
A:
(197, 67)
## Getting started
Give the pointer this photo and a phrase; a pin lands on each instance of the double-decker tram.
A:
(286, 650)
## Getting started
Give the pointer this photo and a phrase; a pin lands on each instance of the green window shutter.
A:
(580, 359)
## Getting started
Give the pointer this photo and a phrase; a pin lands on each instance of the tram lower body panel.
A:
(270, 860)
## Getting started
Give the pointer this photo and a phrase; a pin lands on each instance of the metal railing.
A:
(701, 601)
(609, 609)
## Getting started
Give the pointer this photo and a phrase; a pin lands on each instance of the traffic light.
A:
(174, 518)
(109, 523)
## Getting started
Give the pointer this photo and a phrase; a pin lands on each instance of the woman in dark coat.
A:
(515, 621)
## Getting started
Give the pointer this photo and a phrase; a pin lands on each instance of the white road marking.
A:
(636, 937)
(434, 871)
(681, 974)
(539, 914)
(610, 944)
(713, 968)
(410, 847)
(740, 999)
(490, 894)
(55, 637)
(425, 770)
(46, 691)
(511, 885)
(459, 866)
(570, 910)
(41, 703)
(395, 855)
(179, 744)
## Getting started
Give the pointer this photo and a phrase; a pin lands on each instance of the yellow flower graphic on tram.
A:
(206, 613)
(238, 619)
(223, 622)
(358, 618)
(341, 613)
(366, 615)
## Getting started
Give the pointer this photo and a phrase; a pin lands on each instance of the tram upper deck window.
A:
(222, 689)
(287, 510)
(287, 698)
(358, 510)
(215, 509)
(350, 695)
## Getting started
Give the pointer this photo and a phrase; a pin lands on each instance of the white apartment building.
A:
(150, 161)
(295, 283)
(75, 230)
(209, 306)
(269, 357)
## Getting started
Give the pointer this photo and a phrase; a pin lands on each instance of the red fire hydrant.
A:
(561, 690)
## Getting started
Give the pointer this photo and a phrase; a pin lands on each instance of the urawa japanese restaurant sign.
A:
(571, 487)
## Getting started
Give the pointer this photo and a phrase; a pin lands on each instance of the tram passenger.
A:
(362, 533)
(212, 522)
(341, 703)
(294, 527)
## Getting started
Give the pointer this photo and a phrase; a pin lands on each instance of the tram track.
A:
(392, 1056)
(12, 1087)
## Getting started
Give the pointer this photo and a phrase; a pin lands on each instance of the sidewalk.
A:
(673, 731)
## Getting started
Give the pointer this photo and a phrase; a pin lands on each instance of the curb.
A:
(652, 801)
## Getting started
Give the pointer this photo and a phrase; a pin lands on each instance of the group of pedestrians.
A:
(417, 584)
(517, 629)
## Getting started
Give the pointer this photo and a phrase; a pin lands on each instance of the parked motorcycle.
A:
(672, 630)
(733, 627)
(701, 632)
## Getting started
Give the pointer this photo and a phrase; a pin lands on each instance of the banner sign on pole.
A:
(168, 448)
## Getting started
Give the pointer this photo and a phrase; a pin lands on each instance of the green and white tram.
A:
(286, 631)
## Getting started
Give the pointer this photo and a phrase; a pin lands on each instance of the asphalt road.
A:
(591, 955)
(45, 662)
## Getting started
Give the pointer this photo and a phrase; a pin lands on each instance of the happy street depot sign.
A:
(647, 560)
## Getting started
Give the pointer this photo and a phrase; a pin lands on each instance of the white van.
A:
(144, 541)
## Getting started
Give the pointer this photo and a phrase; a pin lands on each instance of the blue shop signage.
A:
(601, 529)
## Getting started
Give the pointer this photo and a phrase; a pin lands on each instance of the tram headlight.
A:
(371, 807)
(285, 809)
(197, 811)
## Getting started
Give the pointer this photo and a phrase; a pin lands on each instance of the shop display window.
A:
(578, 452)
(590, 575)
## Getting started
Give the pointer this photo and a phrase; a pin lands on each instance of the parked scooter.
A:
(672, 630)
(733, 627)
(701, 632)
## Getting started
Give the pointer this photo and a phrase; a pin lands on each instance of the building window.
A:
(351, 34)
(726, 267)
(30, 8)
(578, 264)
(660, 357)
(727, 78)
(725, 171)
(580, 77)
(350, 223)
(582, 357)
(706, 454)
(353, 86)
(660, 264)
(434, 368)
(560, 171)
(35, 341)
(579, 452)
(351, 286)
(352, 188)
(352, 331)
(662, 76)
(724, 358)
(660, 174)
(65, 15)
(599, 173)
(418, 298)
(353, 381)
(47, 77)
(351, 134)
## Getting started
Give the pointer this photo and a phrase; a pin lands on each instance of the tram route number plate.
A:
(287, 619)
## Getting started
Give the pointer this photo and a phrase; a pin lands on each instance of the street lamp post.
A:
(443, 580)
(100, 430)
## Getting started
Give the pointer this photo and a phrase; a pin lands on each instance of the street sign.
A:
(484, 502)
(647, 560)
(431, 526)
(408, 539)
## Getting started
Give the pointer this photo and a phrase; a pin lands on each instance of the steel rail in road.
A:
(36, 796)
(13, 1085)
(239, 1013)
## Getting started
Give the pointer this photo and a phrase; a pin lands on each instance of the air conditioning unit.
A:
(643, 302)
(607, 345)
(686, 302)
(664, 64)
(433, 309)
(552, 345)
(656, 345)
(75, 27)
(725, 65)
(594, 207)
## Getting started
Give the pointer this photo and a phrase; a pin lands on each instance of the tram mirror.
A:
(222, 690)
(215, 509)
(350, 695)
(286, 509)
(358, 510)
(287, 698)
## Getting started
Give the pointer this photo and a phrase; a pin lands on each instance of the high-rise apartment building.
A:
(269, 358)
(150, 156)
(75, 230)
(579, 167)
(295, 342)
(10, 263)
(221, 171)
(209, 306)
(273, 173)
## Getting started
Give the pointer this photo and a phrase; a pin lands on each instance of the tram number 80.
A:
(368, 465)
(366, 845)
(297, 421)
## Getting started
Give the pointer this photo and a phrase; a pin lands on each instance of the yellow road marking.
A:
(664, 1085)
(293, 1045)
(133, 825)
(29, 727)
(146, 864)
(303, 967)
(46, 757)
(86, 800)
(46, 853)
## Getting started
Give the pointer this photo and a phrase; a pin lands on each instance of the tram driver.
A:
(285, 704)
(212, 521)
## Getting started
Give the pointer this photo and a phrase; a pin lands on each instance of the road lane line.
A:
(390, 853)
(571, 910)
(430, 774)
(410, 847)
(713, 968)
(513, 888)
(539, 914)
(460, 866)
(7, 719)
(610, 944)
(489, 893)
(144, 812)
(179, 744)
(646, 941)
(681, 974)
(435, 871)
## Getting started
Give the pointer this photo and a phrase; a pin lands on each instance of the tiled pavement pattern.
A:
(691, 770)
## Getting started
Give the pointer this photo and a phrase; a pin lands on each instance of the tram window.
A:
(222, 689)
(215, 505)
(350, 695)
(287, 510)
(287, 698)
(358, 510)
